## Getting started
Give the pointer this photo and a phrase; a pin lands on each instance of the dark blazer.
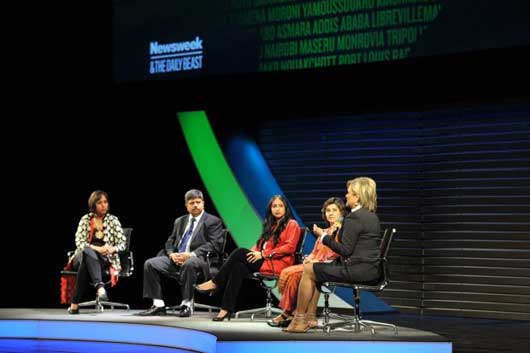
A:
(207, 235)
(358, 245)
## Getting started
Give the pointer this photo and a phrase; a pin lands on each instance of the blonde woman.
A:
(358, 247)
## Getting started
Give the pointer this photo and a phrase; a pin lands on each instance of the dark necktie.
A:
(186, 236)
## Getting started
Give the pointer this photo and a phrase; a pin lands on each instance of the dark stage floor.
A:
(469, 335)
(236, 329)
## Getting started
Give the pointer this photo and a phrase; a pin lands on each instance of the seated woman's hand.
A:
(317, 230)
(254, 256)
(107, 249)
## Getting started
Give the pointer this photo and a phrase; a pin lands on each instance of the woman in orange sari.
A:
(333, 211)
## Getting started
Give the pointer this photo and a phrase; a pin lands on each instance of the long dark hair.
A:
(269, 223)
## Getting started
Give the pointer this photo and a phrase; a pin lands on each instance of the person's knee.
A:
(186, 266)
(88, 252)
(308, 268)
(148, 264)
(308, 271)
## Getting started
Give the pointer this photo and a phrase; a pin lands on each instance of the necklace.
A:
(98, 225)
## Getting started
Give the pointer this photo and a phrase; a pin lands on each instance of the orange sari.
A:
(290, 276)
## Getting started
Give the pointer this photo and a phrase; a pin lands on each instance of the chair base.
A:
(210, 308)
(196, 306)
(355, 324)
(267, 310)
(99, 305)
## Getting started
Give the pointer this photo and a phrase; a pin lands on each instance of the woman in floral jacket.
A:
(98, 239)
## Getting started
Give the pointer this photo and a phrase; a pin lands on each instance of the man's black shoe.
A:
(153, 311)
(185, 311)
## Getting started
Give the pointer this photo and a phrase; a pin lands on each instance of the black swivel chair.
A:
(355, 322)
(127, 268)
(215, 261)
(269, 282)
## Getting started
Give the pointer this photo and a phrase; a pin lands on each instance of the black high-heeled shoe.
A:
(284, 321)
(222, 318)
(73, 311)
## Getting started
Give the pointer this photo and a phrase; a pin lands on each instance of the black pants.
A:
(231, 276)
(90, 266)
(187, 275)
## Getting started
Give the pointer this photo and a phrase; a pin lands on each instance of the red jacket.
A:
(284, 250)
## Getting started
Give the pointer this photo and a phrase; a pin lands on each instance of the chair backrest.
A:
(217, 260)
(300, 246)
(126, 256)
(388, 236)
(386, 240)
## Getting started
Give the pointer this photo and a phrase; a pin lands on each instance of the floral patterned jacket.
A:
(112, 235)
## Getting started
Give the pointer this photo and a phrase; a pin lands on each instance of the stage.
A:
(51, 330)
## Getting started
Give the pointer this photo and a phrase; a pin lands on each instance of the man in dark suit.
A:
(184, 256)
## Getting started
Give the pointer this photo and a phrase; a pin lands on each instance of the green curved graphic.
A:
(230, 201)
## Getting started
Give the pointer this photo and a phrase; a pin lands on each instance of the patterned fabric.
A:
(322, 253)
(113, 235)
(290, 277)
(288, 287)
(186, 237)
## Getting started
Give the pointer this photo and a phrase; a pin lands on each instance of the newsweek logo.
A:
(175, 56)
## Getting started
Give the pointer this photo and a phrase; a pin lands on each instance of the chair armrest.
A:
(265, 276)
(131, 268)
(68, 272)
(210, 255)
(130, 260)
(272, 262)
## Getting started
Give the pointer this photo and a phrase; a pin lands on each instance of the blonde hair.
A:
(365, 189)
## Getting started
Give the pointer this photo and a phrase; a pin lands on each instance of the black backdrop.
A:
(79, 132)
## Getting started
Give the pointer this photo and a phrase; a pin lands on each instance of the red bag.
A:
(67, 283)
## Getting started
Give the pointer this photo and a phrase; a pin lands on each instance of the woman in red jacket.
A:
(279, 238)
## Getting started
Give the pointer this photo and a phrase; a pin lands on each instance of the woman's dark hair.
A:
(95, 197)
(333, 200)
(269, 223)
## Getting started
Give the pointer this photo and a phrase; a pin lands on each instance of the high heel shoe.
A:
(312, 320)
(210, 291)
(298, 325)
(282, 320)
(222, 318)
(73, 311)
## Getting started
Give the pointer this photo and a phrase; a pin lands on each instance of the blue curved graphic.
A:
(250, 169)
(21, 332)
